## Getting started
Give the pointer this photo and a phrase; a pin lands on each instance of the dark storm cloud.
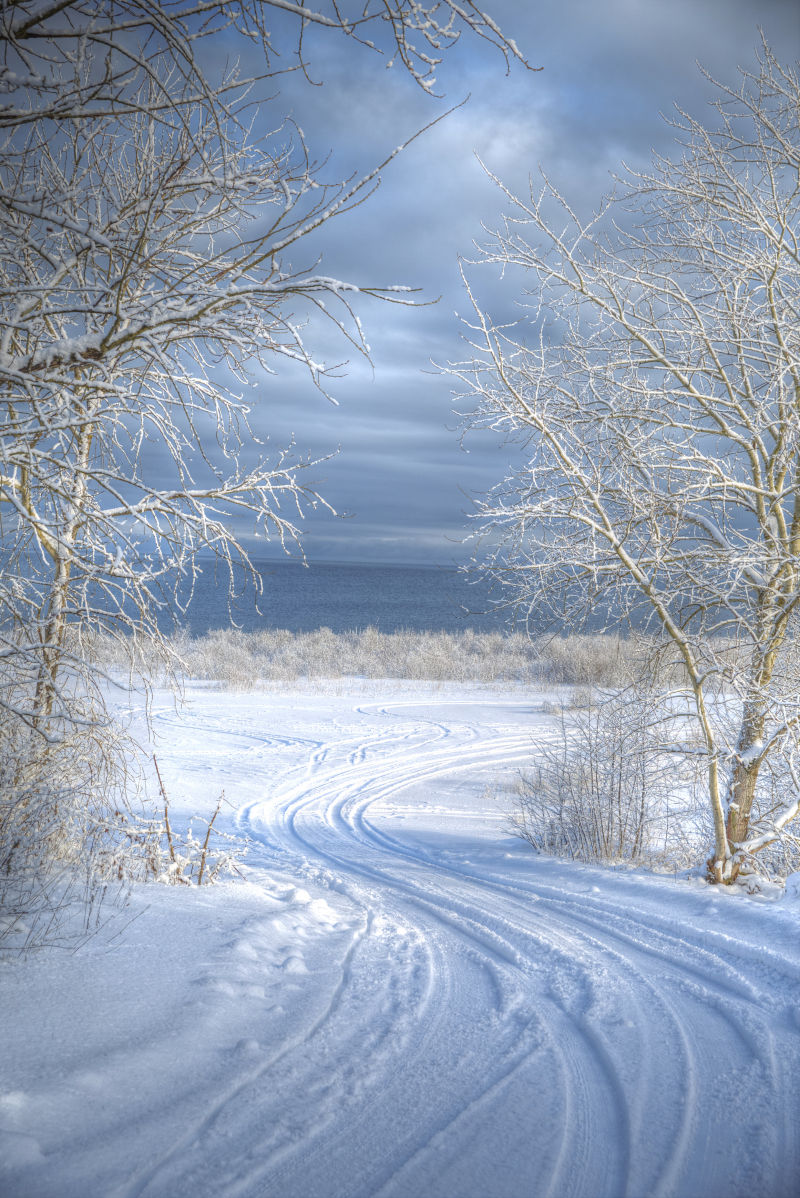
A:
(610, 70)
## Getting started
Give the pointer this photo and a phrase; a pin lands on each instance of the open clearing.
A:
(400, 999)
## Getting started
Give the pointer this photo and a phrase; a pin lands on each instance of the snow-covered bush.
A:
(75, 830)
(64, 806)
(240, 660)
(622, 780)
(607, 789)
(582, 659)
(154, 851)
(186, 858)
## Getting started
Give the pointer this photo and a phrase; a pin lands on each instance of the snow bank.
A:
(401, 999)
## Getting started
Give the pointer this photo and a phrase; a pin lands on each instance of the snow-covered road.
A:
(404, 1001)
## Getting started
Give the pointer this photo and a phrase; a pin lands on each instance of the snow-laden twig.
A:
(654, 390)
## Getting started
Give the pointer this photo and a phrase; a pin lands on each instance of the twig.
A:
(167, 828)
(208, 835)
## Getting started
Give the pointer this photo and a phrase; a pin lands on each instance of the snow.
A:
(400, 999)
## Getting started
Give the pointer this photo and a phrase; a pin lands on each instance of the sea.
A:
(345, 597)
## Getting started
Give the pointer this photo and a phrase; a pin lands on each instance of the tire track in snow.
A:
(330, 798)
(621, 1030)
(735, 997)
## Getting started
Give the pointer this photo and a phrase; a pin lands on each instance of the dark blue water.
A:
(345, 598)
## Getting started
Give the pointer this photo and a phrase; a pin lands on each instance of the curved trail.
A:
(500, 1025)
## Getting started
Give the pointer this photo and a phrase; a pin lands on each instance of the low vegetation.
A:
(621, 782)
(607, 789)
(65, 814)
(241, 660)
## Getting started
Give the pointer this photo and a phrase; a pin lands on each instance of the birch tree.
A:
(655, 388)
(150, 250)
(143, 276)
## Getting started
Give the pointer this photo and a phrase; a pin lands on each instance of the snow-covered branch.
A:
(654, 391)
(75, 59)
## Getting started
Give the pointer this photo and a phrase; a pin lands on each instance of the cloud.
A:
(611, 73)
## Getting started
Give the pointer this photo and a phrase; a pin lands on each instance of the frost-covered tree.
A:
(146, 233)
(140, 291)
(151, 210)
(656, 392)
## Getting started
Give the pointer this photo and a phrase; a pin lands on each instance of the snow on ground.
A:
(400, 999)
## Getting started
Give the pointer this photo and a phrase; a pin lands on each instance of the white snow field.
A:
(400, 999)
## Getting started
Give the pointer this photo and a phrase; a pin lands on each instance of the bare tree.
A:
(143, 291)
(658, 400)
(146, 235)
(143, 274)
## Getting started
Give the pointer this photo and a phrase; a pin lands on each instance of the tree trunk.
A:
(62, 553)
(53, 636)
(741, 791)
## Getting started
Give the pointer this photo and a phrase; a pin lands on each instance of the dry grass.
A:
(243, 660)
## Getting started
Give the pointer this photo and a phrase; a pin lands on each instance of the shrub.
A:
(241, 660)
(63, 817)
(606, 788)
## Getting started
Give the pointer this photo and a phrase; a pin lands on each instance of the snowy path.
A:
(449, 1016)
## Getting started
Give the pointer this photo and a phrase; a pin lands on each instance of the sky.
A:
(401, 480)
